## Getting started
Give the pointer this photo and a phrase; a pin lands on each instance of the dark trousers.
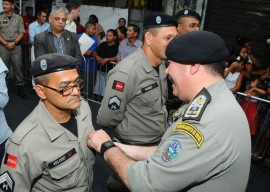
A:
(115, 184)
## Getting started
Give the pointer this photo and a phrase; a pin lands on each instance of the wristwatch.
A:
(105, 146)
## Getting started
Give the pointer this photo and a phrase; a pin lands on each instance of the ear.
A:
(194, 68)
(147, 38)
(50, 19)
(40, 92)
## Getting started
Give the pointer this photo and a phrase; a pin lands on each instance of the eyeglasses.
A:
(68, 89)
(192, 25)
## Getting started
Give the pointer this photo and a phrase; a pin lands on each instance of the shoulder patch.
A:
(118, 85)
(11, 161)
(196, 108)
(6, 182)
(114, 103)
(171, 151)
(192, 131)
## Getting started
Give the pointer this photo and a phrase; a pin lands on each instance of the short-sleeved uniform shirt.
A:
(42, 155)
(134, 101)
(10, 28)
(207, 148)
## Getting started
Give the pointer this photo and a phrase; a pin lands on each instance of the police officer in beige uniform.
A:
(136, 90)
(11, 33)
(208, 146)
(188, 21)
(48, 151)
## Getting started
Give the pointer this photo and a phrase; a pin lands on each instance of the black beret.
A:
(200, 47)
(188, 13)
(11, 1)
(158, 20)
(52, 62)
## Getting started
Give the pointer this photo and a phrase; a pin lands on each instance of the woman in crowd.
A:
(105, 54)
(121, 33)
(99, 34)
(250, 106)
(233, 73)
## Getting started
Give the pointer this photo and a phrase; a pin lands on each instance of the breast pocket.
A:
(65, 175)
(150, 101)
(3, 27)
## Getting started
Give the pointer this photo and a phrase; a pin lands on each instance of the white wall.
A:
(107, 16)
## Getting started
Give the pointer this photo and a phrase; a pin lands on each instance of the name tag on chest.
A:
(62, 159)
(149, 87)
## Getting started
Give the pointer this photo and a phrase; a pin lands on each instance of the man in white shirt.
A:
(73, 8)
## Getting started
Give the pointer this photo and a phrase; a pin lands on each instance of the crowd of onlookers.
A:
(60, 31)
(247, 74)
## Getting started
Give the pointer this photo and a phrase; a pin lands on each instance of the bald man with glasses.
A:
(48, 151)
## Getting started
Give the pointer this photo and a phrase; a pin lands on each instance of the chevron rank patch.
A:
(171, 151)
(6, 182)
(114, 103)
(192, 131)
(196, 108)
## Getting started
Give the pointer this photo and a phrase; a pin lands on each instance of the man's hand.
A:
(10, 45)
(96, 138)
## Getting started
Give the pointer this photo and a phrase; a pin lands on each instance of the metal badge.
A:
(186, 12)
(158, 19)
(43, 64)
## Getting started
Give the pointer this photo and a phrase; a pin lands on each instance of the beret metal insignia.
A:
(158, 19)
(43, 64)
(186, 12)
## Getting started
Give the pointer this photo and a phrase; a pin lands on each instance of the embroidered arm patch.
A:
(11, 161)
(192, 131)
(171, 151)
(6, 182)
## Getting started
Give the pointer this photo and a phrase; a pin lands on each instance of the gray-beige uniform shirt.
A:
(10, 28)
(42, 155)
(134, 101)
(206, 149)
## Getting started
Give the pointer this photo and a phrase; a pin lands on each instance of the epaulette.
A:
(196, 108)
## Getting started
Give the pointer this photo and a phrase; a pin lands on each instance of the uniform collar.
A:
(54, 129)
(147, 66)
